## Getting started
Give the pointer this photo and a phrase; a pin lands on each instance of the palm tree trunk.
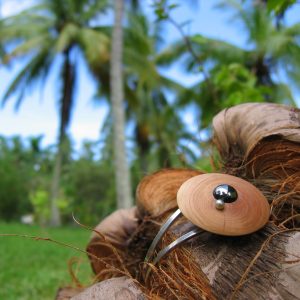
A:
(143, 144)
(164, 158)
(65, 113)
(55, 219)
(122, 174)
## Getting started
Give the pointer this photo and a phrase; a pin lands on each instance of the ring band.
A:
(187, 236)
(161, 233)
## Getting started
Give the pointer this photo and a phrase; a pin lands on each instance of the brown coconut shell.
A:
(156, 193)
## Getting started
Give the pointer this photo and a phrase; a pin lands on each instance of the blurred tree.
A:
(232, 75)
(88, 186)
(17, 173)
(160, 134)
(50, 33)
(55, 33)
(2, 50)
(157, 125)
(279, 6)
(122, 174)
(89, 183)
(147, 96)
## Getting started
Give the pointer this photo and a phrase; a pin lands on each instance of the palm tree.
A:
(158, 128)
(147, 94)
(50, 33)
(122, 174)
(233, 74)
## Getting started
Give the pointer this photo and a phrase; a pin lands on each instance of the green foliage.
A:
(232, 75)
(40, 202)
(236, 85)
(204, 164)
(89, 183)
(233, 84)
(46, 33)
(228, 85)
(156, 106)
(159, 130)
(279, 6)
(91, 190)
(162, 9)
(16, 172)
(87, 187)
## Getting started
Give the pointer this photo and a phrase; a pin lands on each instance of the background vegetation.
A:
(83, 182)
(38, 180)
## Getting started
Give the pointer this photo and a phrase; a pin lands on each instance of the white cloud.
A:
(12, 7)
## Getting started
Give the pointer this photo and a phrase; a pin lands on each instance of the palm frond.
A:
(170, 54)
(34, 70)
(239, 13)
(95, 46)
(28, 47)
(93, 9)
(66, 37)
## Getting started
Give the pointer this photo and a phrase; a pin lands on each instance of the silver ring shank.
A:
(161, 232)
(187, 236)
(173, 246)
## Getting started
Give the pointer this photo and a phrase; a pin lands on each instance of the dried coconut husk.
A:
(121, 288)
(259, 143)
(239, 129)
(156, 193)
(263, 265)
(111, 236)
(109, 242)
(67, 293)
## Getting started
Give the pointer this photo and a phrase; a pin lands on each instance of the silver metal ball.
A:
(226, 193)
(220, 204)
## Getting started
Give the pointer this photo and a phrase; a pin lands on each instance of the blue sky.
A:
(38, 113)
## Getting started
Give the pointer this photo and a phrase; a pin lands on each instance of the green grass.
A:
(35, 269)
